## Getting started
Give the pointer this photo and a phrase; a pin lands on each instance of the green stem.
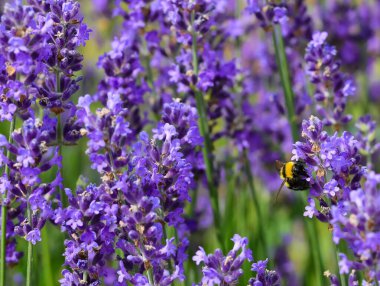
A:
(282, 64)
(261, 230)
(146, 59)
(150, 278)
(4, 213)
(60, 137)
(45, 257)
(29, 254)
(311, 228)
(207, 148)
(229, 225)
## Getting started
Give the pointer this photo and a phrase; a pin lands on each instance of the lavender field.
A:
(190, 142)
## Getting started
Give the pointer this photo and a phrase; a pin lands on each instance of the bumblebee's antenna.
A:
(279, 190)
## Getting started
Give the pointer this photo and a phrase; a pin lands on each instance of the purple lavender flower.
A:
(355, 220)
(91, 219)
(119, 91)
(264, 276)
(39, 45)
(332, 88)
(144, 190)
(32, 157)
(108, 132)
(213, 75)
(219, 269)
(344, 201)
(339, 154)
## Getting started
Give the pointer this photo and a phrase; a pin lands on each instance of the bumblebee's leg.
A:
(279, 190)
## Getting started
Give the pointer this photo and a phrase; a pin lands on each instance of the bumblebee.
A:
(294, 176)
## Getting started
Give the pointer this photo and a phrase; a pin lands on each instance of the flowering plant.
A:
(143, 150)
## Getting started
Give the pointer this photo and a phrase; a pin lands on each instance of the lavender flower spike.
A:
(224, 270)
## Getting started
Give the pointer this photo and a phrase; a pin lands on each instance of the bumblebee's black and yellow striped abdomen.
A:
(294, 175)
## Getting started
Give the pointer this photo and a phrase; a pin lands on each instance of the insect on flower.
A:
(294, 176)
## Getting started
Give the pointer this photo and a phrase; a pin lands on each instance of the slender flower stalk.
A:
(207, 148)
(4, 214)
(46, 258)
(60, 134)
(261, 231)
(283, 67)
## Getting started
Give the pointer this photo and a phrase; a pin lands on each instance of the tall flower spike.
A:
(33, 157)
(332, 87)
(345, 201)
(218, 269)
(325, 155)
(140, 196)
(210, 74)
(355, 221)
(39, 46)
(264, 276)
(108, 133)
(90, 221)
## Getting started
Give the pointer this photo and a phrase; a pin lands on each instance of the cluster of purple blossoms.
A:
(345, 202)
(264, 277)
(143, 192)
(28, 199)
(324, 153)
(332, 87)
(107, 131)
(145, 27)
(39, 55)
(89, 221)
(226, 270)
(356, 220)
(123, 87)
(38, 61)
(200, 66)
